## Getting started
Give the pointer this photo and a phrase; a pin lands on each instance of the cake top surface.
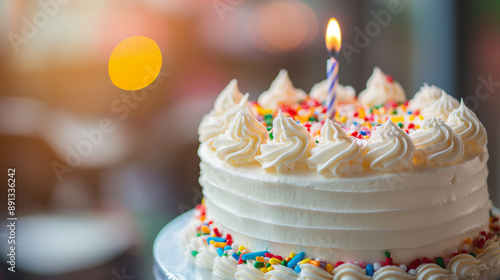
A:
(378, 130)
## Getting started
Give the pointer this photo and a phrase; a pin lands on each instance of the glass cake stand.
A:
(170, 263)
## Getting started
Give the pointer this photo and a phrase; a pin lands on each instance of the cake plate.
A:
(170, 263)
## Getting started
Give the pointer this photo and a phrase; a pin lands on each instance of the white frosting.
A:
(349, 271)
(431, 271)
(425, 97)
(213, 125)
(491, 254)
(248, 272)
(441, 108)
(380, 90)
(281, 272)
(241, 142)
(436, 143)
(224, 267)
(291, 145)
(337, 153)
(345, 94)
(466, 124)
(465, 265)
(195, 244)
(281, 92)
(228, 98)
(311, 272)
(389, 149)
(422, 213)
(392, 272)
(206, 256)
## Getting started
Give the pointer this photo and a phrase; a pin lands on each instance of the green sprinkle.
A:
(472, 254)
(239, 253)
(394, 112)
(194, 253)
(400, 125)
(258, 264)
(440, 262)
(269, 128)
(268, 117)
(225, 254)
(268, 264)
(284, 263)
(312, 119)
(198, 234)
(387, 254)
(317, 141)
(271, 136)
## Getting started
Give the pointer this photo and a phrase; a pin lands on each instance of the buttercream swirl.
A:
(389, 149)
(229, 97)
(436, 143)
(249, 272)
(311, 272)
(337, 153)
(432, 271)
(213, 125)
(425, 97)
(441, 108)
(205, 257)
(392, 272)
(349, 271)
(381, 89)
(281, 272)
(281, 92)
(465, 265)
(224, 267)
(466, 124)
(241, 142)
(290, 145)
(345, 94)
(491, 254)
(195, 244)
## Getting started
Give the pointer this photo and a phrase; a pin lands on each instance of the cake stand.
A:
(170, 263)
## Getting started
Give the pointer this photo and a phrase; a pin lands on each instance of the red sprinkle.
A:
(269, 255)
(278, 257)
(229, 242)
(426, 260)
(495, 219)
(389, 79)
(480, 243)
(388, 261)
(356, 114)
(463, 252)
(217, 233)
(410, 126)
(355, 134)
(339, 264)
(240, 261)
(228, 236)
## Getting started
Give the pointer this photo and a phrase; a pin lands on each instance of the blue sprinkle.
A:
(362, 132)
(227, 248)
(236, 256)
(298, 269)
(249, 256)
(220, 251)
(215, 239)
(409, 112)
(355, 123)
(293, 262)
(369, 270)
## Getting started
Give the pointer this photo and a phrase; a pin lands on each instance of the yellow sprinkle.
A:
(468, 241)
(263, 269)
(397, 119)
(212, 242)
(329, 267)
(274, 261)
(479, 250)
(292, 254)
(421, 117)
(241, 248)
(270, 268)
(205, 229)
(417, 126)
(343, 119)
(411, 118)
(305, 261)
(260, 259)
(219, 244)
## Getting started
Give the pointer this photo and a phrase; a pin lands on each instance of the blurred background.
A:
(96, 216)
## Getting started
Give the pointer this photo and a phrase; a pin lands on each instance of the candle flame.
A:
(333, 39)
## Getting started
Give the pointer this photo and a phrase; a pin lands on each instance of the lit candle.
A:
(333, 42)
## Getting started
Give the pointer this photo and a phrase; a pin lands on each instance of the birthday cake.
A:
(383, 188)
